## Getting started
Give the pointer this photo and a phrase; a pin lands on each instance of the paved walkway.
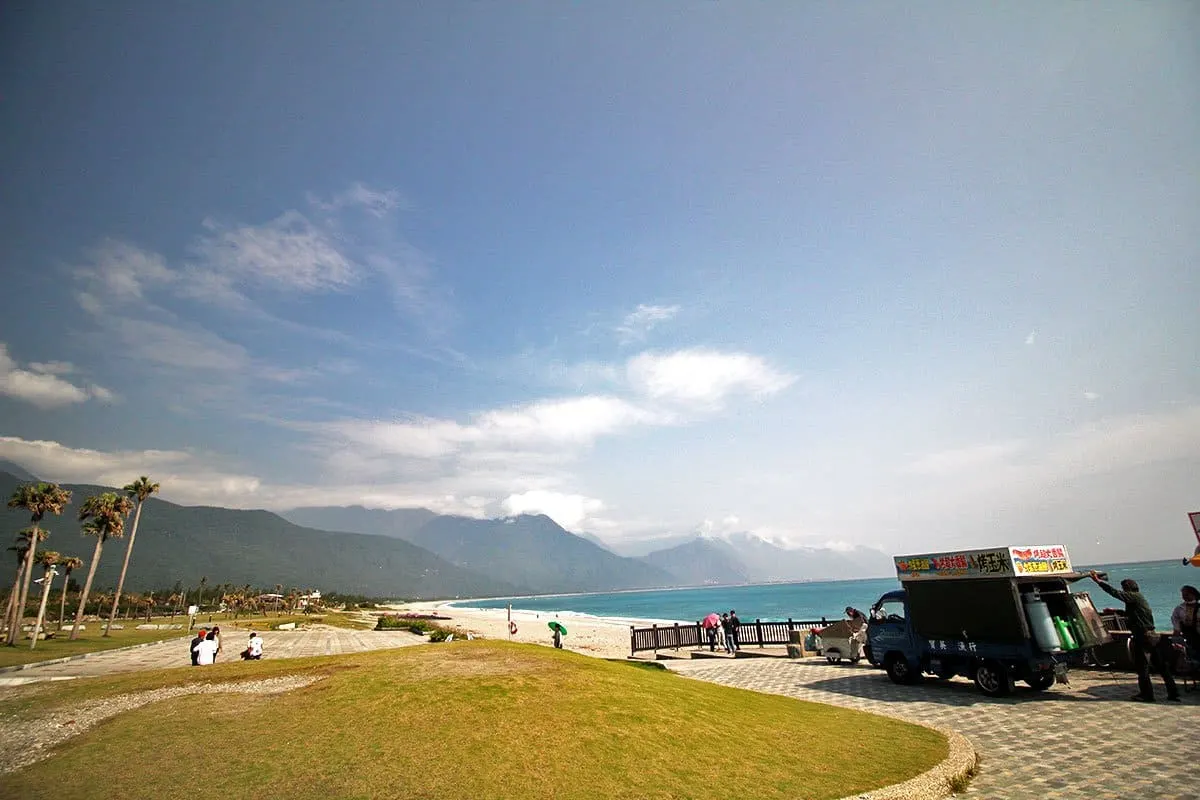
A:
(318, 640)
(1086, 740)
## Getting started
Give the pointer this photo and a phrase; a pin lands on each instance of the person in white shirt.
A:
(255, 649)
(206, 651)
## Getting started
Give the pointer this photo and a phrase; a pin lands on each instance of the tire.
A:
(1041, 681)
(900, 669)
(993, 679)
(854, 660)
(833, 659)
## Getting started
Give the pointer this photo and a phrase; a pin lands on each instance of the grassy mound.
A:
(470, 719)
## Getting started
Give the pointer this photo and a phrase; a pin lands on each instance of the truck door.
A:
(889, 629)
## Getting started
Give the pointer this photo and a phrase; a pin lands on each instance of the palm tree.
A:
(103, 516)
(47, 558)
(19, 550)
(200, 594)
(39, 499)
(69, 565)
(139, 490)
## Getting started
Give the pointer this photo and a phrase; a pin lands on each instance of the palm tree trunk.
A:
(87, 587)
(62, 601)
(137, 517)
(12, 597)
(15, 628)
(37, 626)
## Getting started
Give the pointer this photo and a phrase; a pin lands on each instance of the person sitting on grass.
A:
(254, 649)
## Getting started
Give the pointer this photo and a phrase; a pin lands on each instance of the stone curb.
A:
(942, 780)
(78, 656)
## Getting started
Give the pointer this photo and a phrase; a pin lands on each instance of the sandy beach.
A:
(602, 637)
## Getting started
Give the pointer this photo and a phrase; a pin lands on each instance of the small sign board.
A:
(1194, 516)
(992, 562)
(193, 610)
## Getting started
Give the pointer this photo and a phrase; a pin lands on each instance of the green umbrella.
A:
(555, 625)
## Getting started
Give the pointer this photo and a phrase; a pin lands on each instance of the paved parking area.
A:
(319, 640)
(1085, 740)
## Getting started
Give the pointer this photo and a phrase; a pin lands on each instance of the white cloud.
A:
(568, 510)
(639, 322)
(119, 271)
(40, 385)
(704, 378)
(956, 461)
(374, 202)
(289, 252)
(1031, 338)
(59, 368)
(1090, 396)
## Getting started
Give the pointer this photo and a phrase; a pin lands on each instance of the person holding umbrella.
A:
(711, 624)
(560, 630)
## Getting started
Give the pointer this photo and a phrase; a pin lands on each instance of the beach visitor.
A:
(712, 637)
(215, 635)
(254, 649)
(558, 638)
(735, 625)
(206, 650)
(192, 648)
(1185, 620)
(858, 631)
(1144, 646)
(727, 632)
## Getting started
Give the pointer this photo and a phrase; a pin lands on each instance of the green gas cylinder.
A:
(1064, 634)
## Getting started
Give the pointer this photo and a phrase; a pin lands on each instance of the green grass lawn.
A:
(467, 720)
(91, 639)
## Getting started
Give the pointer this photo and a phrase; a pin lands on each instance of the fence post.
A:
(758, 630)
(632, 641)
(676, 636)
(699, 636)
(654, 629)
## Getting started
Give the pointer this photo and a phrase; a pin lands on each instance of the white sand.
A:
(603, 637)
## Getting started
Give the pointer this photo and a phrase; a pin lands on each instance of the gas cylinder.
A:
(1041, 623)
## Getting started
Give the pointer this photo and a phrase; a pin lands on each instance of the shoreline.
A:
(601, 637)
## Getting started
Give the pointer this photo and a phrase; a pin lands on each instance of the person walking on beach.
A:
(192, 649)
(735, 625)
(1145, 651)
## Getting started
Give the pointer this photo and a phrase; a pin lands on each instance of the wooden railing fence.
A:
(758, 632)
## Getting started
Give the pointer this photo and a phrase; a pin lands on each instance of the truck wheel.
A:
(1041, 681)
(993, 679)
(900, 670)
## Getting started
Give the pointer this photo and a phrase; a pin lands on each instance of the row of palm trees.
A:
(103, 516)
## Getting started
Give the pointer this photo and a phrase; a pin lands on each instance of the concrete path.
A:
(1086, 740)
(318, 640)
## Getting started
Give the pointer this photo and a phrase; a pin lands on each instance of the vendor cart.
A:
(840, 641)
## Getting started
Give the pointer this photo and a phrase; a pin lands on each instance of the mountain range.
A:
(415, 553)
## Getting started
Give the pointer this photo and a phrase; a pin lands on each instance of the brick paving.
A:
(318, 640)
(1061, 743)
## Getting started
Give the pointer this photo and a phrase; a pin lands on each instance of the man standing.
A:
(199, 638)
(1142, 644)
(206, 651)
(735, 625)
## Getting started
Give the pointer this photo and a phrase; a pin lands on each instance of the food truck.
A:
(995, 615)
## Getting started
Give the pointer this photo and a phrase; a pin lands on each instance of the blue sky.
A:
(912, 277)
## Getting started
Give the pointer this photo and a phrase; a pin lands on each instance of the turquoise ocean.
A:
(809, 600)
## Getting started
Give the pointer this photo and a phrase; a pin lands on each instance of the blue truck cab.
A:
(994, 616)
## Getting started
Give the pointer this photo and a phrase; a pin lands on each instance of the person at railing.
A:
(735, 626)
(727, 632)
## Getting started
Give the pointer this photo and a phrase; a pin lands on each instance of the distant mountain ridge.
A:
(183, 543)
(529, 549)
(746, 558)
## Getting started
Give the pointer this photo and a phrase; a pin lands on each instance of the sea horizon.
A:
(809, 599)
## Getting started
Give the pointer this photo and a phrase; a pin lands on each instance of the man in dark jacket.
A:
(1143, 641)
(199, 638)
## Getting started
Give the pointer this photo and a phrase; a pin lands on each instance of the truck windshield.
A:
(892, 610)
